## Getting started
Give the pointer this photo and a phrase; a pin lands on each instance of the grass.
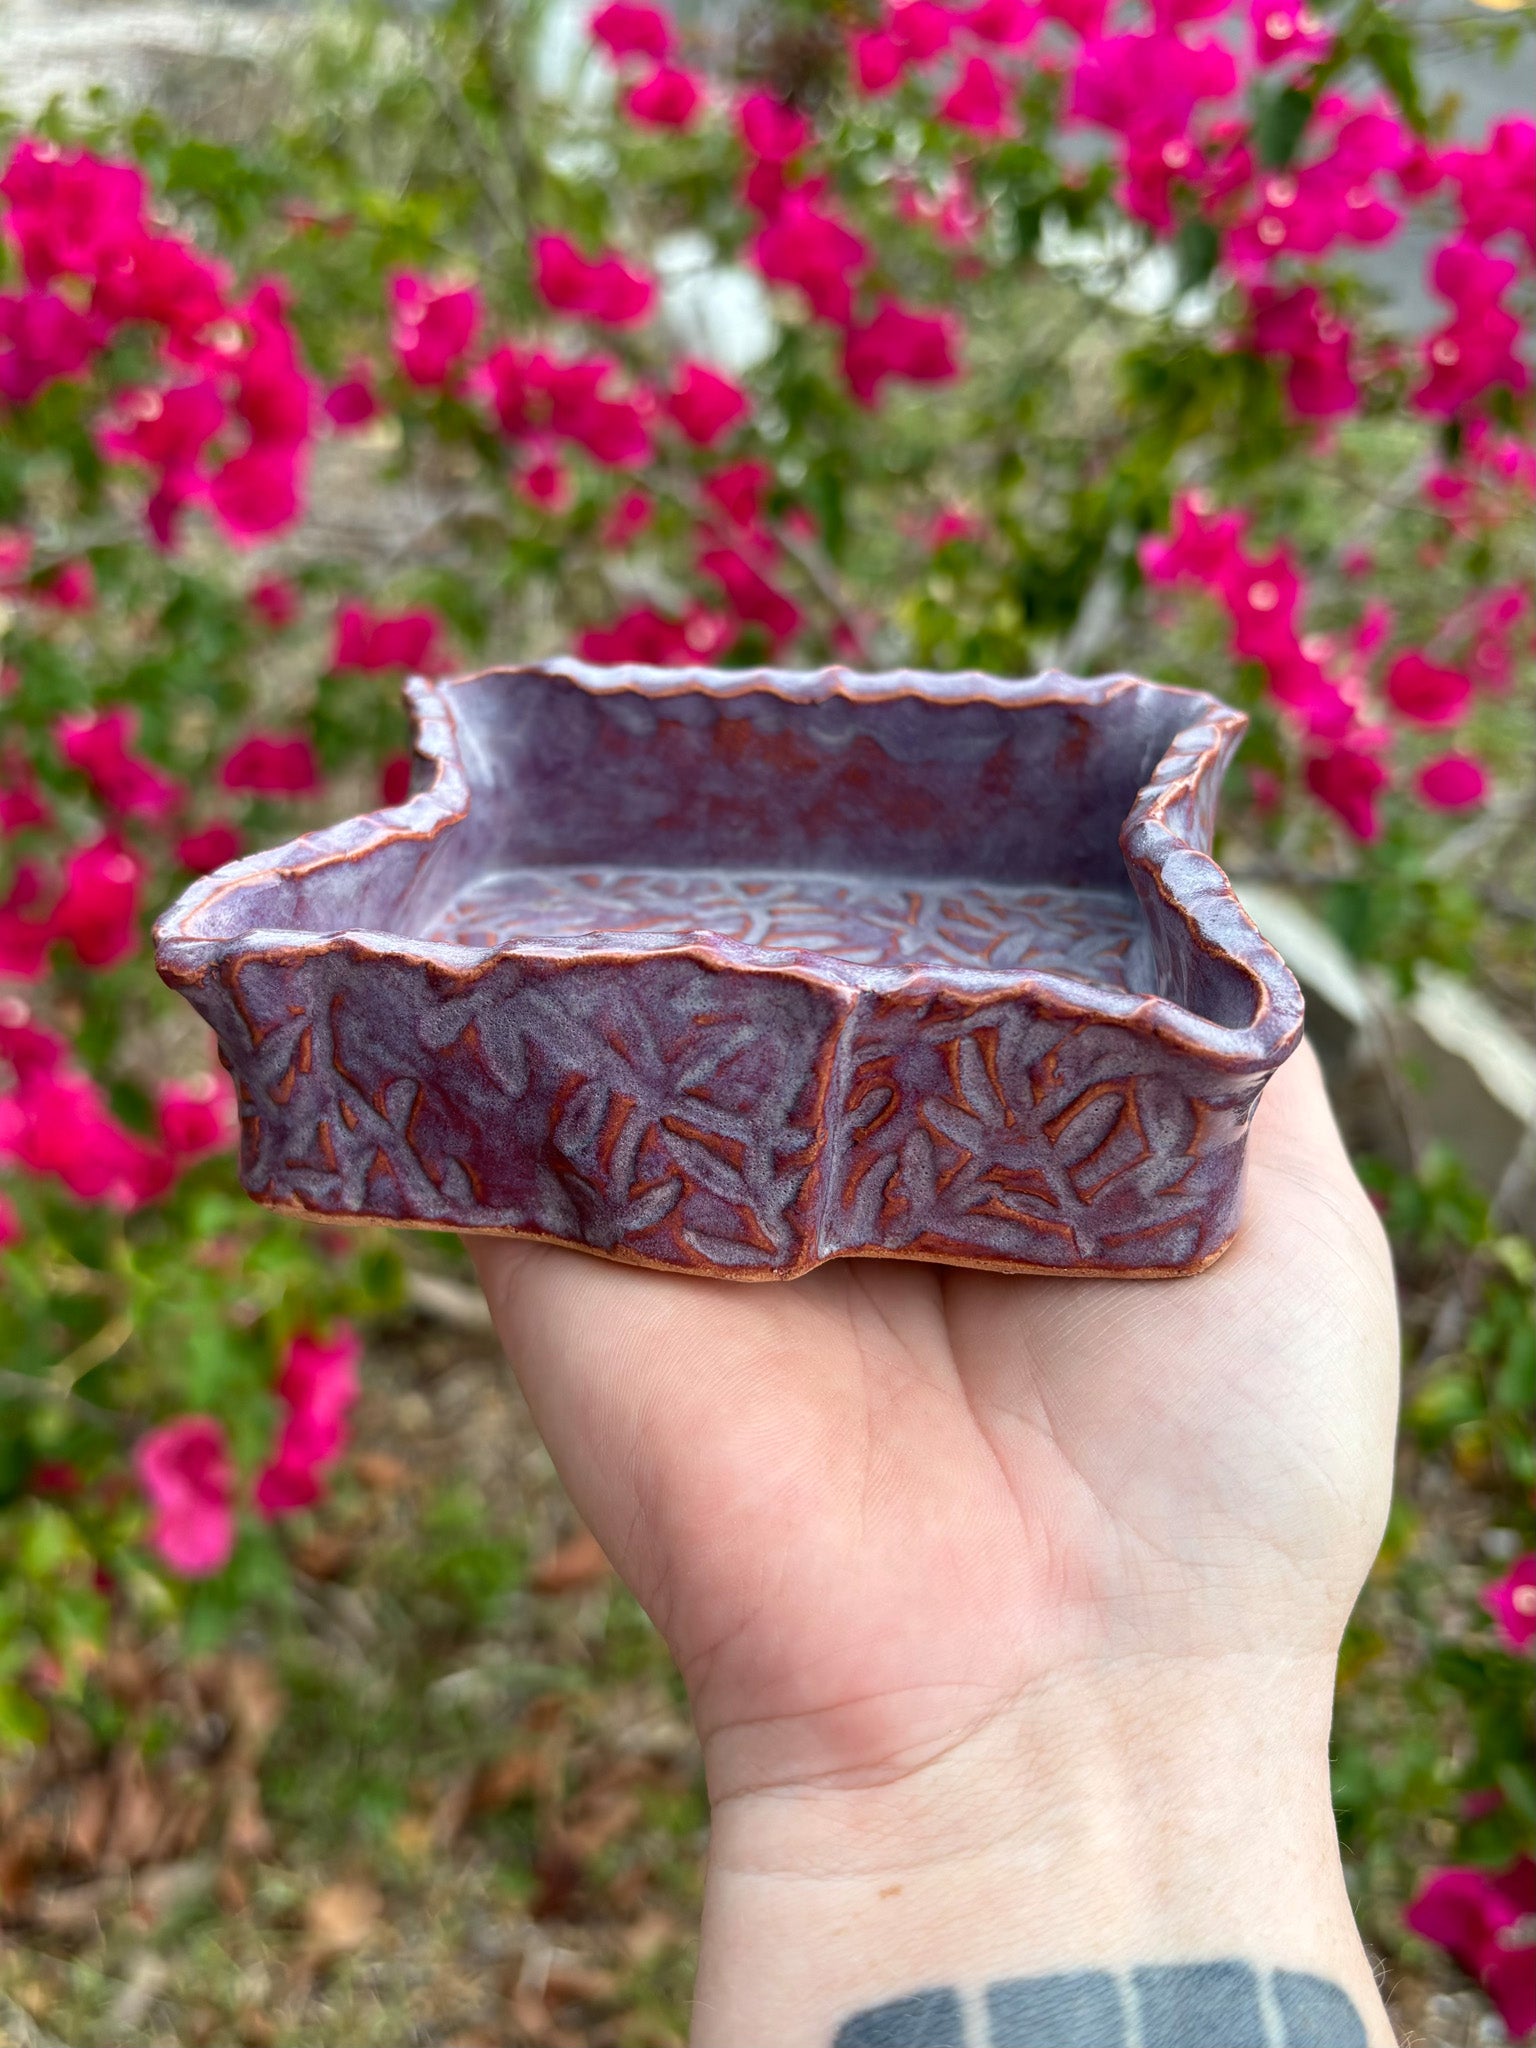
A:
(481, 1812)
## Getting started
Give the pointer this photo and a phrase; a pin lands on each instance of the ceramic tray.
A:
(731, 973)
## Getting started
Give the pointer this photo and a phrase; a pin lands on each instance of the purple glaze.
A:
(736, 972)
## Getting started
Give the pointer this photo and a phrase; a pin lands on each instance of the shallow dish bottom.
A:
(1097, 935)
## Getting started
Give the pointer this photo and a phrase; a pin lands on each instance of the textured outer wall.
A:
(706, 1105)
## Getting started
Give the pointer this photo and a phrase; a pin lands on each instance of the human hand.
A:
(951, 1563)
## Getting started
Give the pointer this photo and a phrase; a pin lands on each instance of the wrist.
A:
(1113, 1820)
(1087, 1761)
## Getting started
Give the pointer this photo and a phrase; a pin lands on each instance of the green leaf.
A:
(22, 1719)
(1280, 124)
(1388, 48)
(1196, 248)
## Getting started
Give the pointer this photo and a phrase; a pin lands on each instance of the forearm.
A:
(1146, 1858)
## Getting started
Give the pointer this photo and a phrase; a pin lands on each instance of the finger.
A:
(633, 1376)
(1296, 1153)
(1295, 1120)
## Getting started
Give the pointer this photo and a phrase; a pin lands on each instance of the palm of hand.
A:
(869, 1509)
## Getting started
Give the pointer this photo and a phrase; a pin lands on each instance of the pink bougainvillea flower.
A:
(1512, 1602)
(197, 1116)
(631, 31)
(274, 600)
(953, 212)
(953, 523)
(1171, 15)
(645, 636)
(772, 131)
(515, 386)
(1300, 327)
(601, 288)
(15, 555)
(1349, 780)
(1150, 168)
(10, 1232)
(878, 61)
(25, 932)
(628, 519)
(59, 1125)
(1495, 184)
(257, 493)
(97, 913)
(352, 402)
(69, 588)
(395, 779)
(1474, 1915)
(808, 247)
(764, 187)
(382, 640)
(738, 491)
(272, 764)
(1469, 277)
(70, 211)
(536, 394)
(432, 328)
(1201, 546)
(98, 744)
(272, 393)
(1314, 700)
(209, 847)
(1149, 83)
(1453, 782)
(1469, 358)
(704, 404)
(1459, 1910)
(167, 430)
(1287, 29)
(318, 1385)
(1509, 1979)
(21, 800)
(1472, 354)
(896, 342)
(1084, 17)
(669, 98)
(977, 100)
(24, 1044)
(1374, 629)
(1262, 597)
(1494, 647)
(545, 483)
(612, 430)
(922, 28)
(158, 278)
(1479, 1804)
(42, 338)
(1426, 691)
(1007, 23)
(749, 593)
(1305, 209)
(185, 1470)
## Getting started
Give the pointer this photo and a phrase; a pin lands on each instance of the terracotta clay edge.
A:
(749, 1275)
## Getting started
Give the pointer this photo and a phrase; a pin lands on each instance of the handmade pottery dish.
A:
(732, 973)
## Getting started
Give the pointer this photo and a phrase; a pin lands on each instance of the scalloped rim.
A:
(1202, 895)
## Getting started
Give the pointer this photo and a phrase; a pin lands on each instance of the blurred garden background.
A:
(339, 343)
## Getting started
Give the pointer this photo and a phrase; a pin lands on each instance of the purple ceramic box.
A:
(732, 973)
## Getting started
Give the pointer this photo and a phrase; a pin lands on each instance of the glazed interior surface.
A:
(1096, 935)
(901, 786)
(882, 832)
